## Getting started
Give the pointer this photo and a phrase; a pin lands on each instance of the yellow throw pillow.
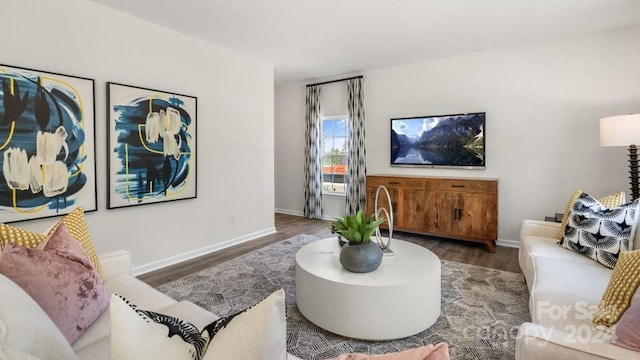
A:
(76, 224)
(622, 285)
(609, 201)
(19, 236)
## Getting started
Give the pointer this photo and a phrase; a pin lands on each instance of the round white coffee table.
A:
(399, 299)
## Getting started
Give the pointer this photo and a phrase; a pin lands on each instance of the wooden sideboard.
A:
(455, 208)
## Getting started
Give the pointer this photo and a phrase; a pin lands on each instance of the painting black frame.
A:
(125, 109)
(66, 97)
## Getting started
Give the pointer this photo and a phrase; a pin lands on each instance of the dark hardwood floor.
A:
(504, 258)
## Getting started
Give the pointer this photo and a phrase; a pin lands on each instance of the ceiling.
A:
(312, 39)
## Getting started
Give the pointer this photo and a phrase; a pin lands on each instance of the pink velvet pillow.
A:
(627, 331)
(60, 277)
(439, 351)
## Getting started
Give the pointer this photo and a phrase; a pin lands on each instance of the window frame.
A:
(346, 155)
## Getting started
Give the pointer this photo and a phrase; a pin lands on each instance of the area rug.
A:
(481, 310)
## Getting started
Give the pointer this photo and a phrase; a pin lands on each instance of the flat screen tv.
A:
(448, 141)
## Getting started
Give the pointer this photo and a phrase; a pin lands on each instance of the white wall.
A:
(543, 104)
(235, 122)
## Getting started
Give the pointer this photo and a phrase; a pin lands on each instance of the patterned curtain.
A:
(356, 178)
(313, 156)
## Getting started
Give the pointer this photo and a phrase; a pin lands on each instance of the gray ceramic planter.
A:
(361, 258)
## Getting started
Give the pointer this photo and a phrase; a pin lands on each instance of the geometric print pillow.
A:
(609, 201)
(139, 334)
(619, 294)
(598, 232)
(258, 332)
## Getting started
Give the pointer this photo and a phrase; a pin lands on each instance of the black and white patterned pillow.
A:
(598, 232)
(136, 332)
(258, 332)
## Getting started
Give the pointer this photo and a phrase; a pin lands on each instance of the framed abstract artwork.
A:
(47, 144)
(152, 146)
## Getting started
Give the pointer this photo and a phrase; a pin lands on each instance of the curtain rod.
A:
(333, 81)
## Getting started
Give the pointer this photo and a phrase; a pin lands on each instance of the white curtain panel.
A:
(313, 156)
(357, 161)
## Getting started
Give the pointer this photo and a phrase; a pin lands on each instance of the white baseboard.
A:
(300, 213)
(289, 212)
(156, 265)
(508, 243)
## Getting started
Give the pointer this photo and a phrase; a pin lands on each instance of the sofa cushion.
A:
(627, 332)
(538, 246)
(598, 232)
(59, 276)
(138, 292)
(99, 350)
(608, 201)
(97, 332)
(76, 224)
(561, 297)
(622, 285)
(25, 329)
(535, 342)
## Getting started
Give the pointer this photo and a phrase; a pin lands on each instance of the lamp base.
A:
(633, 172)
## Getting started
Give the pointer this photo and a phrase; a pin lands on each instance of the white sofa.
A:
(94, 343)
(565, 289)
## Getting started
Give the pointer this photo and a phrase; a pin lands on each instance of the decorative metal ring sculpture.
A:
(384, 246)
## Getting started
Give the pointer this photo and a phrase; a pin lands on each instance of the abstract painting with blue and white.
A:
(47, 145)
(152, 146)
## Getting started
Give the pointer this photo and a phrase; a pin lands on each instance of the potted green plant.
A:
(359, 254)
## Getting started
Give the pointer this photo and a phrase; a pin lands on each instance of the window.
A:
(334, 154)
